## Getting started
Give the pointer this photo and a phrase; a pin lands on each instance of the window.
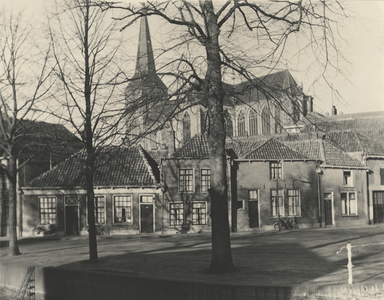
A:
(265, 124)
(294, 208)
(348, 203)
(122, 209)
(205, 180)
(146, 199)
(347, 178)
(275, 169)
(240, 204)
(228, 124)
(252, 122)
(186, 180)
(277, 205)
(253, 195)
(186, 128)
(278, 128)
(241, 124)
(199, 213)
(177, 214)
(382, 176)
(99, 210)
(47, 207)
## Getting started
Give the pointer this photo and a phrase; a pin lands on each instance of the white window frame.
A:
(206, 211)
(193, 180)
(346, 208)
(114, 209)
(281, 168)
(45, 197)
(298, 212)
(201, 180)
(170, 215)
(348, 182)
(280, 193)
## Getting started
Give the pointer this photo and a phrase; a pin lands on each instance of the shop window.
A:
(47, 209)
(294, 208)
(348, 203)
(186, 180)
(122, 209)
(199, 213)
(176, 214)
(205, 180)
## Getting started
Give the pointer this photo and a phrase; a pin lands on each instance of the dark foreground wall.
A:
(60, 283)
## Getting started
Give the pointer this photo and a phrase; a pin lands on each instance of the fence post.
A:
(349, 249)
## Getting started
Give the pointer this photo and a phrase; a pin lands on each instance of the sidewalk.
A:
(297, 259)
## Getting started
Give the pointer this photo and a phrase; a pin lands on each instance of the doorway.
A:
(328, 209)
(253, 214)
(378, 207)
(72, 220)
(146, 218)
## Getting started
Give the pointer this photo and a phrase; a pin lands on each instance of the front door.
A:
(378, 207)
(328, 209)
(253, 214)
(71, 220)
(146, 218)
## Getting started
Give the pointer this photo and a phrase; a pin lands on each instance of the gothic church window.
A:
(252, 122)
(228, 124)
(265, 125)
(278, 128)
(186, 128)
(241, 124)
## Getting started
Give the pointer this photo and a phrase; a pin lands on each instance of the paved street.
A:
(303, 257)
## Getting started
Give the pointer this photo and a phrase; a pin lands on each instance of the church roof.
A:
(116, 166)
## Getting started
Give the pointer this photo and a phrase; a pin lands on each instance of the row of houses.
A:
(138, 191)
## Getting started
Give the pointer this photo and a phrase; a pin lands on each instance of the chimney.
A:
(334, 110)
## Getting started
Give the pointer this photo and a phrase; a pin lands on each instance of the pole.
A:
(349, 249)
(277, 200)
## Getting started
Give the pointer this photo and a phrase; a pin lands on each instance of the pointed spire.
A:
(145, 64)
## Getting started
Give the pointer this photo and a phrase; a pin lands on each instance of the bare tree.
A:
(24, 83)
(265, 28)
(85, 47)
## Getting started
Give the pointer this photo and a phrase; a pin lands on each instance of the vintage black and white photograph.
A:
(202, 149)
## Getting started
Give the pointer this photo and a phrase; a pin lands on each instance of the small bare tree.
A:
(266, 29)
(24, 83)
(85, 48)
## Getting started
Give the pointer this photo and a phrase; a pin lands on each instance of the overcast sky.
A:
(363, 91)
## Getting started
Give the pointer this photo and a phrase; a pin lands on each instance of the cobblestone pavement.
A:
(301, 257)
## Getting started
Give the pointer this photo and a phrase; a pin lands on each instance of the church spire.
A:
(145, 64)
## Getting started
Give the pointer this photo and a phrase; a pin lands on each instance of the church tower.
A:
(146, 95)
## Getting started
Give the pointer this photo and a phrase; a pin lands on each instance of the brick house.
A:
(128, 197)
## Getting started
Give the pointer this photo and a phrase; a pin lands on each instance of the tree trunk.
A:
(221, 261)
(12, 219)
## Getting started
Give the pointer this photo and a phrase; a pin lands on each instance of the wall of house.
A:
(31, 215)
(374, 186)
(332, 182)
(170, 169)
(256, 176)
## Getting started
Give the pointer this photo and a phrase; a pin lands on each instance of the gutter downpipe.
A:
(318, 172)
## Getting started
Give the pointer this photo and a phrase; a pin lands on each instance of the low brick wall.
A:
(60, 283)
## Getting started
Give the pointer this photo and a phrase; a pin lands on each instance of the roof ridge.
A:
(146, 162)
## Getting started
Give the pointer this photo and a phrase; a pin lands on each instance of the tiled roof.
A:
(325, 152)
(115, 167)
(352, 141)
(273, 149)
(241, 147)
(197, 147)
(44, 141)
